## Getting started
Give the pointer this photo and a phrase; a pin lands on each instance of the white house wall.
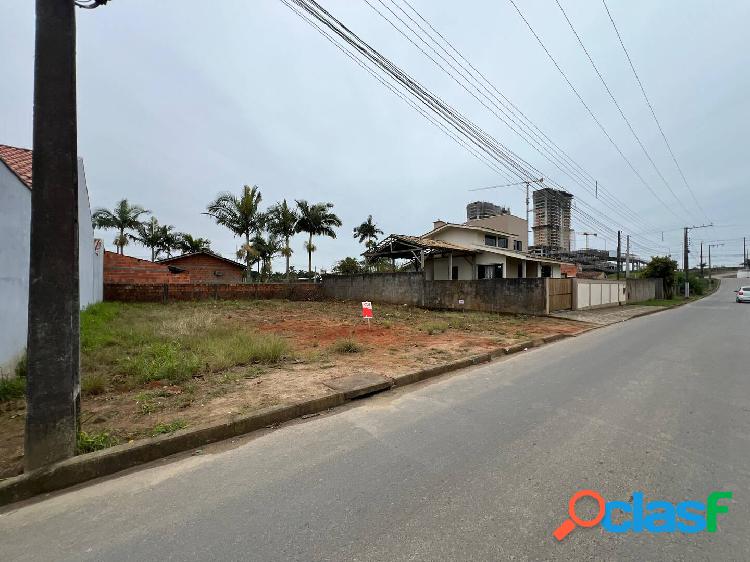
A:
(15, 230)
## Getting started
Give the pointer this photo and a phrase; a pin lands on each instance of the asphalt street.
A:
(477, 465)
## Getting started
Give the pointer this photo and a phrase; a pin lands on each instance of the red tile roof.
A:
(18, 161)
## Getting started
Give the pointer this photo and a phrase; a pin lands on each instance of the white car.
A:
(743, 294)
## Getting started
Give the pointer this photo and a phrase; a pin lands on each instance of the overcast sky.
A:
(180, 100)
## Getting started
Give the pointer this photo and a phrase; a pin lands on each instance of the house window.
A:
(502, 242)
(454, 273)
(518, 246)
(490, 240)
(494, 271)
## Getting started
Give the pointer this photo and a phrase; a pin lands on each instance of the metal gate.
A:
(560, 293)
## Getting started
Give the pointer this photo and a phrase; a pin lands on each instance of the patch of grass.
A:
(162, 361)
(347, 345)
(95, 441)
(93, 384)
(147, 403)
(12, 389)
(96, 320)
(171, 427)
(22, 367)
(435, 327)
(222, 349)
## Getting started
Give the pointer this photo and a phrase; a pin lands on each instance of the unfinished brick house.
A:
(207, 267)
(124, 270)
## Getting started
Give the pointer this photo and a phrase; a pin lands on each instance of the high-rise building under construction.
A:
(552, 232)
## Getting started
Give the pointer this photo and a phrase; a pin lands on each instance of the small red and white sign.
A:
(367, 309)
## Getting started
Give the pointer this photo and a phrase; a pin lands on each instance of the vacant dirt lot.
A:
(151, 368)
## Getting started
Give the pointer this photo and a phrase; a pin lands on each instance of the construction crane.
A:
(587, 234)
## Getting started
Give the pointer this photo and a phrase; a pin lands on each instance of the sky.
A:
(179, 100)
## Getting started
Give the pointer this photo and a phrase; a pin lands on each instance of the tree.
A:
(169, 240)
(151, 235)
(282, 222)
(266, 249)
(316, 220)
(665, 268)
(250, 255)
(122, 218)
(348, 266)
(187, 244)
(367, 232)
(241, 215)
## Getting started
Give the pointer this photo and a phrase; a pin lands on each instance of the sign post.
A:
(367, 311)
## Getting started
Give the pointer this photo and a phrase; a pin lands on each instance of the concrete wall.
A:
(15, 241)
(526, 296)
(639, 290)
(598, 293)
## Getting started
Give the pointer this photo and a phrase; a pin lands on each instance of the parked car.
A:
(743, 294)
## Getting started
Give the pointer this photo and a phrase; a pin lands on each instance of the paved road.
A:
(476, 466)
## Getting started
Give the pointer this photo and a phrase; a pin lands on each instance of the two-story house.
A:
(493, 247)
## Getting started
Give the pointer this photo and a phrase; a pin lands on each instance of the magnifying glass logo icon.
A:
(569, 524)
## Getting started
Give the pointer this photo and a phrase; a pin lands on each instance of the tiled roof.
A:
(18, 161)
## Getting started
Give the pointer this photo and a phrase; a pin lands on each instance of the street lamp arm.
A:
(90, 4)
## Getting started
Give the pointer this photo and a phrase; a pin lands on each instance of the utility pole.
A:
(53, 346)
(702, 259)
(619, 252)
(53, 389)
(709, 259)
(745, 264)
(685, 255)
(528, 224)
(627, 255)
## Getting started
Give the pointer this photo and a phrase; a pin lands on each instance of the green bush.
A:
(95, 441)
(347, 345)
(12, 389)
(22, 367)
(93, 384)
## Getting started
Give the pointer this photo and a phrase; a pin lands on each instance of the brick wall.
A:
(204, 268)
(126, 270)
(205, 291)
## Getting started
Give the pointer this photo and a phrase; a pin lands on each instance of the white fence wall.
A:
(597, 293)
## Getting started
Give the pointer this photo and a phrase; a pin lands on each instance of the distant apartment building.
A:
(484, 210)
(552, 225)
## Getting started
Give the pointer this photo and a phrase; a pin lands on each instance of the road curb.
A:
(82, 468)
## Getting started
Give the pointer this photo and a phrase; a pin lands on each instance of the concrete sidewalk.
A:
(606, 316)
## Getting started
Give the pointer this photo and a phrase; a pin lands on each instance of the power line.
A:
(591, 113)
(653, 112)
(537, 140)
(619, 108)
(488, 145)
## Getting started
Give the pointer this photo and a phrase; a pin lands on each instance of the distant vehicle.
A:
(743, 294)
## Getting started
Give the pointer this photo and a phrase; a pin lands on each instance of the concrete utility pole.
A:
(685, 255)
(709, 258)
(53, 389)
(702, 259)
(619, 252)
(744, 254)
(627, 255)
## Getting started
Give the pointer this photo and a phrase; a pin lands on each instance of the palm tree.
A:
(124, 217)
(187, 244)
(151, 235)
(169, 240)
(266, 249)
(248, 253)
(282, 222)
(316, 220)
(241, 215)
(367, 232)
